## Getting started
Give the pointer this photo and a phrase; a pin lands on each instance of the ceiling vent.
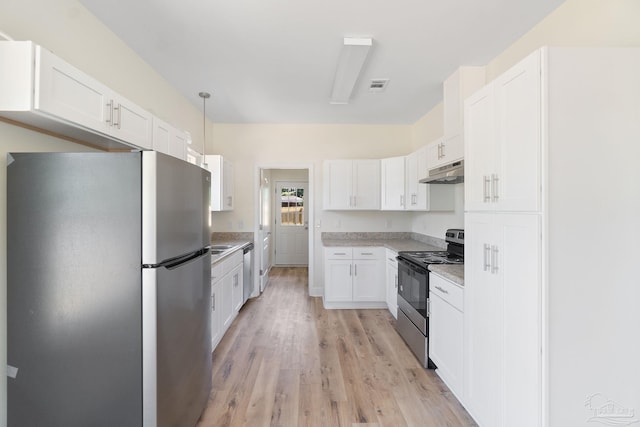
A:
(378, 85)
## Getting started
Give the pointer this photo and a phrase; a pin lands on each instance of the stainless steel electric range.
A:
(413, 291)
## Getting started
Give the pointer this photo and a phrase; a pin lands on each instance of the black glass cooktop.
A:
(431, 257)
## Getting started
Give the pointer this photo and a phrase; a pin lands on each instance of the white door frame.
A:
(310, 204)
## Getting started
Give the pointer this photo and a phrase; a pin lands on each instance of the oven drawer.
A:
(448, 291)
(413, 337)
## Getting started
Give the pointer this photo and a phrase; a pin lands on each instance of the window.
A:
(292, 206)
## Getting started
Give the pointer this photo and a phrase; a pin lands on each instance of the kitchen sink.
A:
(215, 251)
(222, 247)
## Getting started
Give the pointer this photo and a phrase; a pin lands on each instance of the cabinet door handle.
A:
(494, 187)
(486, 182)
(396, 281)
(110, 107)
(119, 108)
(366, 253)
(444, 291)
(486, 252)
(339, 253)
(355, 270)
(350, 269)
(443, 150)
(494, 259)
(401, 200)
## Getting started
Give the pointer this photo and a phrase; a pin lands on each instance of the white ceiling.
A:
(273, 61)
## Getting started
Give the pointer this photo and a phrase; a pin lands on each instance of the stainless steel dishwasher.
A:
(247, 272)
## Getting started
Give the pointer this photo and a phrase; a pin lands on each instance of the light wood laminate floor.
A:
(286, 361)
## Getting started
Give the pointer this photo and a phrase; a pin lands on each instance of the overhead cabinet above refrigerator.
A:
(40, 89)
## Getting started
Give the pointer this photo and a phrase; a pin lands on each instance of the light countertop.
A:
(451, 272)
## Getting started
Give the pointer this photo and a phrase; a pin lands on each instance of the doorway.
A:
(284, 210)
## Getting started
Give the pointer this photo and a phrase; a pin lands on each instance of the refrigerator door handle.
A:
(176, 262)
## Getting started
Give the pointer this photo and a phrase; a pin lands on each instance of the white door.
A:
(292, 224)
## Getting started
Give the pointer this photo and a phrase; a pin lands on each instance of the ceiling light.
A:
(354, 53)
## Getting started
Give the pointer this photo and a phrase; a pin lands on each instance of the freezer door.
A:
(177, 342)
(175, 207)
(74, 289)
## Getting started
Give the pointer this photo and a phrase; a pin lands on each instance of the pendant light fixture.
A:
(204, 96)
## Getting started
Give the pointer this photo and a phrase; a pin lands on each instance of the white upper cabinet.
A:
(460, 85)
(503, 142)
(393, 184)
(419, 196)
(401, 189)
(40, 89)
(352, 184)
(130, 123)
(443, 151)
(169, 140)
(66, 92)
(222, 188)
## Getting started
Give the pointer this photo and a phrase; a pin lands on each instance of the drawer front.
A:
(232, 261)
(338, 253)
(217, 271)
(391, 257)
(374, 253)
(448, 291)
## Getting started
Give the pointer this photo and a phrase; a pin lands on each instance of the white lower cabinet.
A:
(216, 317)
(502, 317)
(392, 282)
(354, 278)
(236, 287)
(446, 329)
(226, 294)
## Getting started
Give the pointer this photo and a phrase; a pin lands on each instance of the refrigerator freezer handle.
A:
(176, 262)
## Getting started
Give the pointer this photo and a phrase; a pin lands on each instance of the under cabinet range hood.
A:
(452, 173)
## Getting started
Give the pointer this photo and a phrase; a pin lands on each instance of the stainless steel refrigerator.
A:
(108, 290)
